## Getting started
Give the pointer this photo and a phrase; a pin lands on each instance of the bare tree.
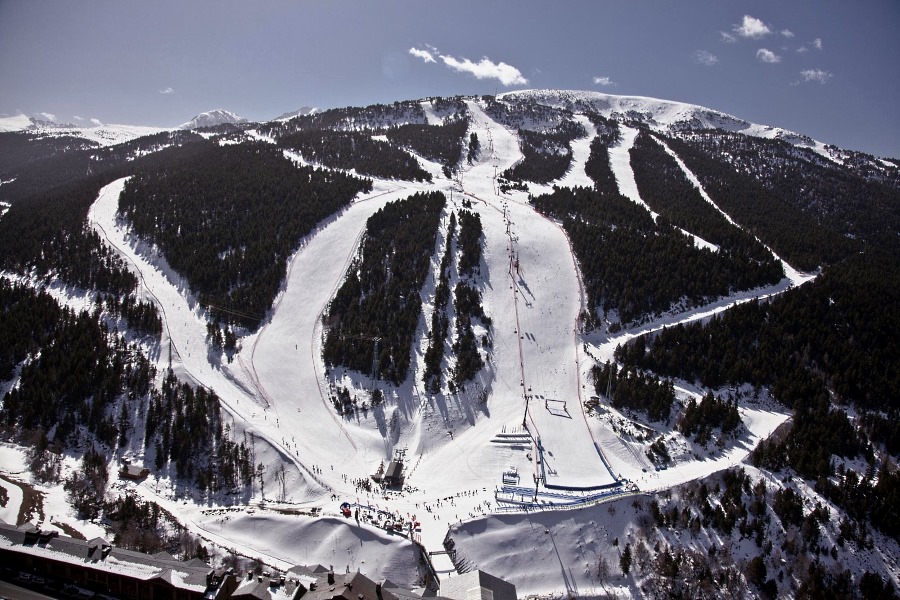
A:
(602, 570)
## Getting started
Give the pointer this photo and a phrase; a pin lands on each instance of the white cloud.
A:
(484, 69)
(767, 56)
(787, 33)
(727, 37)
(817, 43)
(604, 81)
(705, 58)
(752, 28)
(168, 90)
(815, 76)
(802, 49)
(77, 118)
(423, 54)
(96, 122)
(45, 116)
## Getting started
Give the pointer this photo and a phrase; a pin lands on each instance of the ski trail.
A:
(620, 163)
(790, 272)
(191, 356)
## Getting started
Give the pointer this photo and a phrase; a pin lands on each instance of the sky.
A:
(824, 68)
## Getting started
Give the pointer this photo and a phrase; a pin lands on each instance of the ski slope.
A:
(460, 450)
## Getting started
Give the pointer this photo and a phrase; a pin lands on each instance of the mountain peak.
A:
(212, 118)
(300, 112)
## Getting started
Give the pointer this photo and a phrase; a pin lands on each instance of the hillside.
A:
(585, 323)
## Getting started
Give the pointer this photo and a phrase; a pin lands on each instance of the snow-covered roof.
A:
(98, 554)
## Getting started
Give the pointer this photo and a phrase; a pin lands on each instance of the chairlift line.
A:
(232, 312)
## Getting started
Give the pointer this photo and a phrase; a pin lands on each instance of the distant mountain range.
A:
(213, 118)
(300, 112)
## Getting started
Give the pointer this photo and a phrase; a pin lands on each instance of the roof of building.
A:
(459, 586)
(317, 582)
(101, 555)
(395, 468)
(134, 471)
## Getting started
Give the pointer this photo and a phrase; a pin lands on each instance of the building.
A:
(133, 472)
(98, 566)
(101, 567)
(477, 585)
(394, 474)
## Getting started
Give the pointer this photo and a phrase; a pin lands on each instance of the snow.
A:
(289, 540)
(109, 135)
(12, 464)
(620, 163)
(662, 115)
(431, 117)
(302, 111)
(212, 118)
(794, 276)
(104, 135)
(456, 447)
(16, 123)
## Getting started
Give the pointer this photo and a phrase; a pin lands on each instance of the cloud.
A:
(604, 81)
(96, 122)
(705, 58)
(752, 28)
(77, 118)
(802, 49)
(815, 76)
(767, 56)
(45, 116)
(423, 54)
(168, 90)
(817, 43)
(484, 69)
(787, 33)
(727, 37)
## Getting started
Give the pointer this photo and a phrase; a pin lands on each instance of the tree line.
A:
(73, 371)
(440, 321)
(802, 237)
(846, 198)
(629, 388)
(636, 267)
(355, 150)
(372, 117)
(843, 329)
(380, 295)
(444, 144)
(665, 188)
(547, 155)
(204, 213)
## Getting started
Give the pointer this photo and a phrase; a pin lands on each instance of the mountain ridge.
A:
(212, 118)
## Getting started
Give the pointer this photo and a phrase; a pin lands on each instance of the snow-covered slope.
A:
(661, 115)
(300, 112)
(457, 453)
(523, 419)
(16, 123)
(213, 118)
(110, 135)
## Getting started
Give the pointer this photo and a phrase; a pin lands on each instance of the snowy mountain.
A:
(300, 112)
(15, 123)
(213, 118)
(660, 115)
(650, 343)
